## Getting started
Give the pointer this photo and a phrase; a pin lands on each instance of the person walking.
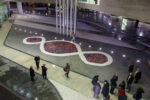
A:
(122, 85)
(44, 71)
(121, 94)
(37, 61)
(32, 74)
(95, 79)
(105, 90)
(73, 37)
(137, 75)
(130, 79)
(96, 90)
(113, 85)
(67, 70)
(138, 94)
(131, 68)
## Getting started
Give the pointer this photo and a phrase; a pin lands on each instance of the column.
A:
(19, 6)
(8, 5)
(75, 15)
(66, 21)
(56, 8)
(60, 17)
(71, 18)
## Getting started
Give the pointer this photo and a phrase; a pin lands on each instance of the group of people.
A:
(122, 86)
(107, 88)
(44, 69)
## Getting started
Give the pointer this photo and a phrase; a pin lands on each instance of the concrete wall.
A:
(138, 9)
(38, 1)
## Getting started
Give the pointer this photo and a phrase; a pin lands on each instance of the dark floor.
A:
(119, 65)
(7, 95)
(17, 79)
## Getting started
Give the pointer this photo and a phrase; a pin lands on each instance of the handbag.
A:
(65, 69)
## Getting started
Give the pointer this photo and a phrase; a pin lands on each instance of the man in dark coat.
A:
(113, 85)
(138, 94)
(131, 68)
(130, 79)
(138, 75)
(37, 61)
(95, 79)
(105, 90)
(32, 74)
(44, 71)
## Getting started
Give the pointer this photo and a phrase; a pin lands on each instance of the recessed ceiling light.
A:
(112, 52)
(100, 48)
(123, 55)
(89, 46)
(138, 61)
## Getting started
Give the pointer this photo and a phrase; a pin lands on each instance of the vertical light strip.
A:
(59, 16)
(67, 16)
(19, 6)
(56, 17)
(71, 18)
(75, 16)
(63, 17)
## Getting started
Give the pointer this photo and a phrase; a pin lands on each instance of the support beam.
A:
(66, 21)
(19, 6)
(56, 8)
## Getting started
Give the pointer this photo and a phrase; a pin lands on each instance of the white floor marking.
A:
(80, 52)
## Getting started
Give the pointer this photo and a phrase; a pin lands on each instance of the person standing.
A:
(122, 85)
(113, 85)
(116, 77)
(73, 37)
(131, 68)
(105, 90)
(32, 74)
(44, 71)
(138, 94)
(95, 79)
(96, 90)
(67, 70)
(37, 61)
(137, 75)
(130, 79)
(121, 94)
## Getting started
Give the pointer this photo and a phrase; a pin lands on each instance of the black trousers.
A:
(37, 65)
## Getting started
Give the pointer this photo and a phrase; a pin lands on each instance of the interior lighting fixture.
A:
(138, 61)
(25, 31)
(35, 33)
(123, 55)
(53, 65)
(80, 43)
(100, 48)
(141, 34)
(20, 29)
(55, 38)
(112, 52)
(89, 46)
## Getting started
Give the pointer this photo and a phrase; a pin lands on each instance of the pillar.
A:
(8, 5)
(19, 6)
(67, 17)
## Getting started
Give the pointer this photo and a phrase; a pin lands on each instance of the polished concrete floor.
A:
(119, 65)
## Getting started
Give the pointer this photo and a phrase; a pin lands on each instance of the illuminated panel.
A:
(124, 24)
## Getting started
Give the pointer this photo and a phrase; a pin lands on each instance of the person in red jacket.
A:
(122, 94)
